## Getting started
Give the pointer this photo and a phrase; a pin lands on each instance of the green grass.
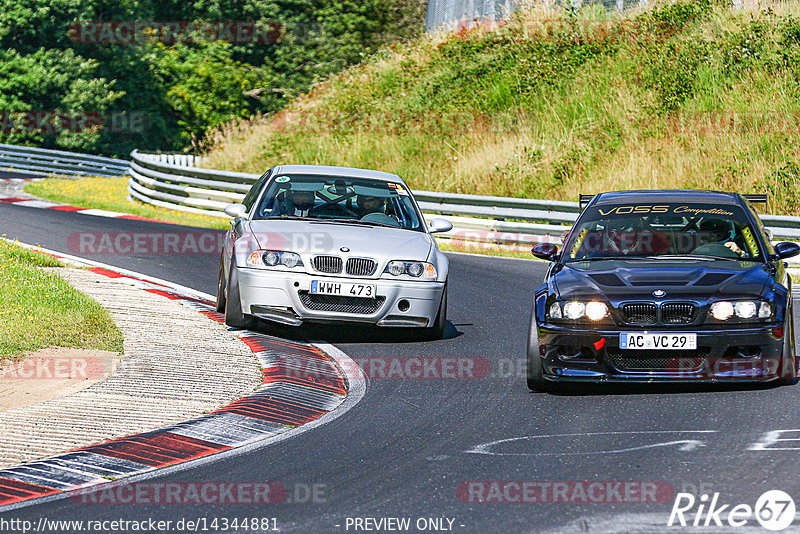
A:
(446, 246)
(552, 104)
(111, 194)
(40, 309)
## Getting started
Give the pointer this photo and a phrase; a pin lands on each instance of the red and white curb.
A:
(291, 400)
(46, 204)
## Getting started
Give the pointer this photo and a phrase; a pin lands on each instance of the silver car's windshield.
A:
(667, 231)
(340, 199)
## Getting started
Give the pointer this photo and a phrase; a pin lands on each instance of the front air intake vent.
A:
(712, 279)
(607, 279)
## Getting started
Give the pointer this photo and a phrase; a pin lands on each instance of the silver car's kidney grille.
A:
(677, 313)
(361, 266)
(644, 313)
(328, 264)
(335, 303)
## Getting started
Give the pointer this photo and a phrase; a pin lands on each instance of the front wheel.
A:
(788, 369)
(437, 331)
(221, 288)
(233, 303)
(535, 370)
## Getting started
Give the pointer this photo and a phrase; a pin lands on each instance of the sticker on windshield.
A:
(398, 188)
(282, 179)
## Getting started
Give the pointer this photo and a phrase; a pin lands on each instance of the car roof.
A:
(667, 195)
(347, 172)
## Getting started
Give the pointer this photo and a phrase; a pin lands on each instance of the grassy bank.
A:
(111, 194)
(554, 103)
(39, 309)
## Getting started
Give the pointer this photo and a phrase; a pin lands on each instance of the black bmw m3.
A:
(664, 286)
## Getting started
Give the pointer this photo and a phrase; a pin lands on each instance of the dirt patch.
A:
(52, 373)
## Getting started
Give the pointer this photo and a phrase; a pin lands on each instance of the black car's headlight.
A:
(576, 310)
(266, 259)
(415, 269)
(741, 310)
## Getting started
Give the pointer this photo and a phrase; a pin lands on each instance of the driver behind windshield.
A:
(298, 201)
(716, 238)
(370, 204)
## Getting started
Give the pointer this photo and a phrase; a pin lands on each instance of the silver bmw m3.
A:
(333, 244)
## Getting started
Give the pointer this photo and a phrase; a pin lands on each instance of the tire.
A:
(789, 356)
(439, 328)
(535, 371)
(233, 303)
(221, 289)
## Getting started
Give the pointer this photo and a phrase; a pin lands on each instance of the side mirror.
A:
(237, 211)
(440, 225)
(787, 249)
(545, 251)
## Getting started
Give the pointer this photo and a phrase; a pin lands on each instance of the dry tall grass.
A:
(551, 105)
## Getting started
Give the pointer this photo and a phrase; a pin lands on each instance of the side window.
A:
(760, 226)
(252, 195)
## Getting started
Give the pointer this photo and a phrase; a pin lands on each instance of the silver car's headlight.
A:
(415, 269)
(266, 259)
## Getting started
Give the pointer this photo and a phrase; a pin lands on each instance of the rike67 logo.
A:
(774, 510)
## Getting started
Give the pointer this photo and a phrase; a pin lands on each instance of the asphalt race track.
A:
(411, 447)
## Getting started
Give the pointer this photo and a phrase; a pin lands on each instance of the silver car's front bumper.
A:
(283, 297)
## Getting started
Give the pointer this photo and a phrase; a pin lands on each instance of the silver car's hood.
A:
(307, 237)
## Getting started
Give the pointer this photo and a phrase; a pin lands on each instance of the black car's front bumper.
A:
(738, 354)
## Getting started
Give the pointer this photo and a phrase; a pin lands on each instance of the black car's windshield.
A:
(340, 199)
(671, 230)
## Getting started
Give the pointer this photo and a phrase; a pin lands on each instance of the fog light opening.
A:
(403, 305)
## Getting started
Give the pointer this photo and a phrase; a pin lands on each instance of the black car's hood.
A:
(679, 279)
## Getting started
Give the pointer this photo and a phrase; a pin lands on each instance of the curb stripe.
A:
(286, 400)
(12, 491)
(46, 204)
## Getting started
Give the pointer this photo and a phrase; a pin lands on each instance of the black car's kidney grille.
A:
(677, 313)
(643, 313)
(675, 361)
(328, 264)
(360, 266)
(335, 303)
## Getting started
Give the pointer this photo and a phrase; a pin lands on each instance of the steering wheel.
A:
(332, 210)
(619, 241)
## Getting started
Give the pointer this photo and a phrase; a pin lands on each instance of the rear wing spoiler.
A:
(757, 199)
(583, 200)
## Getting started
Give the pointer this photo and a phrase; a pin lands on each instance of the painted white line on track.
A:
(685, 445)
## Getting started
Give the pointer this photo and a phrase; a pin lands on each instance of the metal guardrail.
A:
(42, 160)
(448, 13)
(156, 179)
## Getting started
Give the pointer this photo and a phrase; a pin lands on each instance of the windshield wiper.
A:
(701, 257)
(357, 221)
(611, 258)
(292, 218)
